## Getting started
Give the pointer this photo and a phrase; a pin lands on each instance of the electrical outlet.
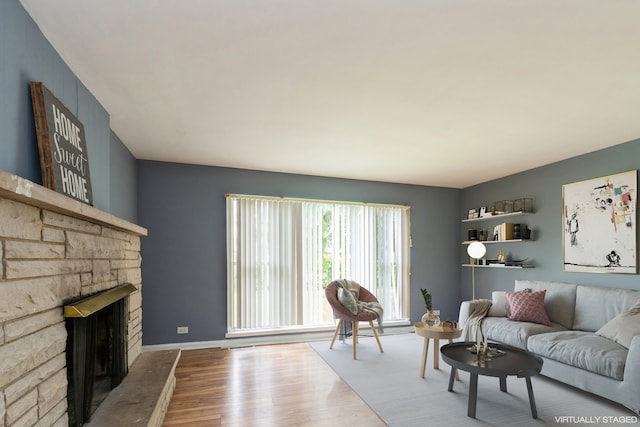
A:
(183, 329)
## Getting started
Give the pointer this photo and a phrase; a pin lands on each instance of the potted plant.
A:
(430, 318)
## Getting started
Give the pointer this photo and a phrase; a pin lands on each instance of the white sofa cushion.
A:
(513, 333)
(595, 306)
(583, 350)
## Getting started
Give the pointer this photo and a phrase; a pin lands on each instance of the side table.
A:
(436, 333)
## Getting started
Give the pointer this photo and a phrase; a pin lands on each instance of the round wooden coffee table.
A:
(436, 333)
(514, 362)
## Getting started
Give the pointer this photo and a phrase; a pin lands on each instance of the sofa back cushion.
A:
(559, 301)
(595, 306)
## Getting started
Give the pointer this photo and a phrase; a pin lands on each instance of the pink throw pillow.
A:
(528, 307)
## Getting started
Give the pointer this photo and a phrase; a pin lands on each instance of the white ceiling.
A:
(432, 92)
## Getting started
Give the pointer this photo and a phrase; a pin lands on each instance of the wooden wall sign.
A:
(61, 142)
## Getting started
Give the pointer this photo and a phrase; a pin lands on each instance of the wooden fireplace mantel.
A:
(22, 190)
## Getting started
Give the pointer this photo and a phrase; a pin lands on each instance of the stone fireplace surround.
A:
(54, 249)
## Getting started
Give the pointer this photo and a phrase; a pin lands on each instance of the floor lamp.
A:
(476, 250)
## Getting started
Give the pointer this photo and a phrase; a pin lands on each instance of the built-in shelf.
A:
(498, 266)
(487, 218)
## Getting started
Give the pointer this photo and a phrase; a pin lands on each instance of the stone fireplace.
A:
(55, 251)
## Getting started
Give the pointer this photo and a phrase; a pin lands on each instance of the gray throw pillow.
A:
(348, 300)
(623, 327)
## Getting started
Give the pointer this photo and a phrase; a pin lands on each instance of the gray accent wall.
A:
(544, 185)
(26, 56)
(184, 256)
(123, 185)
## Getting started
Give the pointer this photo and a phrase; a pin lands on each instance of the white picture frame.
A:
(599, 224)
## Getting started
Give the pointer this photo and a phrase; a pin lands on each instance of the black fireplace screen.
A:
(96, 359)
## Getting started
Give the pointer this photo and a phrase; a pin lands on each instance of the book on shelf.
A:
(503, 231)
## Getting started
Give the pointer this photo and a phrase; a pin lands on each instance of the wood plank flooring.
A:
(271, 385)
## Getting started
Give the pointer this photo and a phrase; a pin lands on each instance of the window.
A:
(281, 253)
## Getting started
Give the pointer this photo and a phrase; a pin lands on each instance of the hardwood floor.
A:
(272, 385)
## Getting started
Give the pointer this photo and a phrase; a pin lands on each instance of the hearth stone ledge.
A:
(144, 395)
(54, 249)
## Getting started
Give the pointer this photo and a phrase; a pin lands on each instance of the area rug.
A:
(390, 384)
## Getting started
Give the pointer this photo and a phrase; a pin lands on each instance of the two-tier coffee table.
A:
(436, 333)
(515, 362)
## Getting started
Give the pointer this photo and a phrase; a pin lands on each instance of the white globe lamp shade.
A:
(476, 250)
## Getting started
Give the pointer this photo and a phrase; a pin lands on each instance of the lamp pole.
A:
(476, 250)
(473, 280)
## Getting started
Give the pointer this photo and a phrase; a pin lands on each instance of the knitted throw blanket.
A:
(375, 308)
(472, 326)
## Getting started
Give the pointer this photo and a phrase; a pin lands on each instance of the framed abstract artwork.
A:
(599, 224)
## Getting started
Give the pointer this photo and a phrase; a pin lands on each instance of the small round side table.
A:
(436, 333)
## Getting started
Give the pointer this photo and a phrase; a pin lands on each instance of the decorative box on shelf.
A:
(523, 205)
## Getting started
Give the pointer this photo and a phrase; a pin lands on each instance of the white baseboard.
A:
(261, 340)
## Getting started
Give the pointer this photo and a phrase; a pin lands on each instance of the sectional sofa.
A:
(589, 338)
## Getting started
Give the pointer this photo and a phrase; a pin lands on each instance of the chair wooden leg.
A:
(354, 338)
(375, 334)
(335, 334)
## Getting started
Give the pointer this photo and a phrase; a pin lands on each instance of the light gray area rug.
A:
(390, 384)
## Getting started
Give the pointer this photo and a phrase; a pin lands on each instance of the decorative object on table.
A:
(476, 250)
(490, 353)
(599, 222)
(430, 318)
(481, 354)
(448, 324)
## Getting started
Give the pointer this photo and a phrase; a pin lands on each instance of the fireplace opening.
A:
(96, 351)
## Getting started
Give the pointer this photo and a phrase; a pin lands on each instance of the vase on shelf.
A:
(430, 318)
